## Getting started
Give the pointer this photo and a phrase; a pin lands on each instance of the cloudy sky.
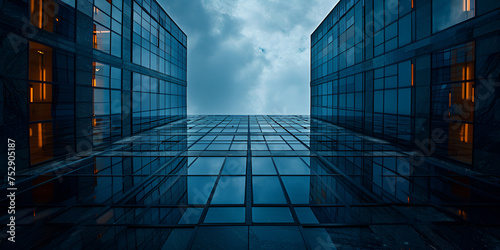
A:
(248, 56)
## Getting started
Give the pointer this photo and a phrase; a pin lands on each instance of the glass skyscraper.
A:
(420, 72)
(81, 74)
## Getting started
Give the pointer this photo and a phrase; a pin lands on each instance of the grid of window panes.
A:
(107, 16)
(156, 102)
(107, 103)
(340, 101)
(51, 102)
(216, 181)
(392, 25)
(339, 43)
(453, 101)
(393, 101)
(158, 43)
(57, 16)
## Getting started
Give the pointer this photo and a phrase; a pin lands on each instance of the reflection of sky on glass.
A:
(297, 188)
(271, 214)
(291, 165)
(206, 166)
(235, 166)
(199, 188)
(225, 215)
(447, 13)
(267, 190)
(262, 165)
(230, 190)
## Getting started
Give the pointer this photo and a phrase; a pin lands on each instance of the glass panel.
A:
(41, 142)
(298, 188)
(219, 146)
(306, 215)
(291, 166)
(102, 38)
(235, 166)
(262, 165)
(446, 13)
(267, 190)
(225, 215)
(191, 216)
(40, 62)
(271, 215)
(206, 166)
(230, 190)
(199, 189)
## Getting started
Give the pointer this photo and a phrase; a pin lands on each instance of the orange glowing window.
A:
(94, 37)
(31, 93)
(412, 74)
(40, 135)
(93, 74)
(466, 135)
(412, 6)
(466, 4)
(42, 14)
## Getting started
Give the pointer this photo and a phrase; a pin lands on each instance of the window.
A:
(107, 17)
(453, 100)
(393, 101)
(155, 102)
(51, 102)
(157, 43)
(107, 103)
(54, 16)
(446, 13)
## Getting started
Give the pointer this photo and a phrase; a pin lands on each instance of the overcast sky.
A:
(248, 56)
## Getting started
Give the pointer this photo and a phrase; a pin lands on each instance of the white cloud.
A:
(275, 34)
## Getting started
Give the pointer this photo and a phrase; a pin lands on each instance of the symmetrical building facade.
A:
(80, 74)
(424, 73)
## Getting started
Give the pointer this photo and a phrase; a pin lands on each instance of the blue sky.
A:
(248, 56)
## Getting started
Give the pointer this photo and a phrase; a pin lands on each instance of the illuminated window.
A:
(40, 100)
(453, 99)
(54, 16)
(51, 102)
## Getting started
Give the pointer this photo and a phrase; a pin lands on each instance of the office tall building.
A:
(80, 74)
(424, 73)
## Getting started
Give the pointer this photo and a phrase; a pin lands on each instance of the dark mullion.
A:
(248, 193)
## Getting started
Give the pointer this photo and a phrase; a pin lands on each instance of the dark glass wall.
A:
(407, 71)
(69, 70)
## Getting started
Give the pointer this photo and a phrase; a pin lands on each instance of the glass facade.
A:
(453, 99)
(391, 69)
(107, 99)
(80, 84)
(107, 17)
(244, 182)
(158, 43)
(51, 103)
(55, 16)
(447, 13)
(155, 102)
